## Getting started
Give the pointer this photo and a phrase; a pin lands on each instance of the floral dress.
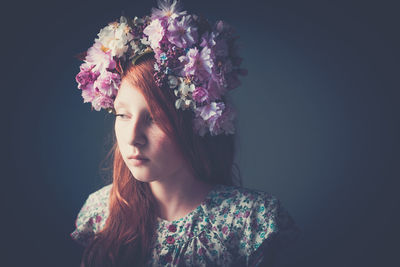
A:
(233, 226)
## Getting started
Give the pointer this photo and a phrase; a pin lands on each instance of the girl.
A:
(174, 199)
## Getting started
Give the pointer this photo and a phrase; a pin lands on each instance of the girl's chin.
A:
(142, 177)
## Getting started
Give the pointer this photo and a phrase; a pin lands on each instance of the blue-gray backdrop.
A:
(318, 122)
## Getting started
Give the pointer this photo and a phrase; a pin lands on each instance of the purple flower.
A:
(221, 48)
(212, 110)
(222, 27)
(199, 64)
(224, 123)
(216, 86)
(200, 94)
(217, 118)
(181, 34)
(207, 39)
(108, 83)
(100, 57)
(155, 32)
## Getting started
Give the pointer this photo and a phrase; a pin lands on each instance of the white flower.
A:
(155, 32)
(172, 81)
(185, 88)
(116, 37)
(167, 9)
(178, 103)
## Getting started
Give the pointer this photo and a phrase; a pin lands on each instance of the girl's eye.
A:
(122, 116)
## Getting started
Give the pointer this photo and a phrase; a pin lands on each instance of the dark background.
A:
(318, 122)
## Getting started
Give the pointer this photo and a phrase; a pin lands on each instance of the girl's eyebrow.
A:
(119, 103)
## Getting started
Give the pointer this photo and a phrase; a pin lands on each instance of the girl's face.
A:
(147, 151)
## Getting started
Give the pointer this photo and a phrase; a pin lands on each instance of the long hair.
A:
(127, 235)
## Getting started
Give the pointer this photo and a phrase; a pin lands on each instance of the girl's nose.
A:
(138, 136)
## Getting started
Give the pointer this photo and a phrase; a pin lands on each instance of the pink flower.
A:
(170, 239)
(88, 94)
(225, 230)
(200, 94)
(155, 32)
(100, 57)
(85, 78)
(102, 101)
(108, 83)
(172, 228)
(98, 218)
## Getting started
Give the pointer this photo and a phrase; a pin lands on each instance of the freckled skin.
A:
(137, 134)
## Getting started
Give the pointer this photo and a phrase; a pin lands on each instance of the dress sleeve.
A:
(272, 231)
(92, 216)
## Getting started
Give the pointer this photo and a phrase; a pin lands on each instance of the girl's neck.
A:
(179, 196)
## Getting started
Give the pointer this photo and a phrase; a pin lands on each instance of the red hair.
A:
(127, 235)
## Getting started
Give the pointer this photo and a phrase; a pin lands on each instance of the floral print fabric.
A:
(232, 226)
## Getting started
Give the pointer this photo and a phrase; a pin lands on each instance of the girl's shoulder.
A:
(251, 219)
(92, 216)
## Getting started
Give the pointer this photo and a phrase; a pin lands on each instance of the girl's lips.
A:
(137, 161)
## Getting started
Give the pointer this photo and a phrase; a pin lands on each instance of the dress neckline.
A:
(194, 211)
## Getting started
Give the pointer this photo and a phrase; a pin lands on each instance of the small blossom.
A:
(86, 78)
(181, 33)
(185, 88)
(102, 101)
(108, 83)
(170, 239)
(100, 57)
(172, 81)
(172, 228)
(155, 32)
(197, 63)
(88, 94)
(115, 37)
(211, 110)
(200, 94)
(166, 9)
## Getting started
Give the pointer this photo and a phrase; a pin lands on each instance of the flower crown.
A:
(195, 59)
